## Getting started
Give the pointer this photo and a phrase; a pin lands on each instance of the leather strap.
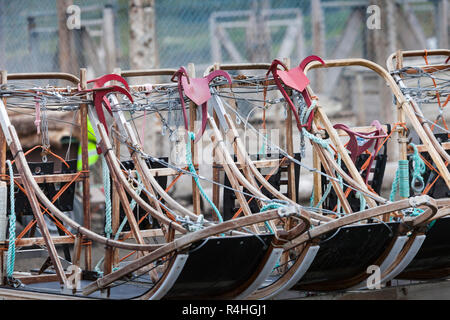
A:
(197, 90)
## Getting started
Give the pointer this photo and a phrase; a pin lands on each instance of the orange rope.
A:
(47, 150)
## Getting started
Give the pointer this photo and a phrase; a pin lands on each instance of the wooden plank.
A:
(424, 148)
(39, 241)
(51, 178)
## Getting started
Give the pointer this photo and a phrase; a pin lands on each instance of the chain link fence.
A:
(201, 32)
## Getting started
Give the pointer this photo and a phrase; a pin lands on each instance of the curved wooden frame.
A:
(413, 108)
(325, 158)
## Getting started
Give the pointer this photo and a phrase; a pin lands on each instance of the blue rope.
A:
(192, 170)
(12, 225)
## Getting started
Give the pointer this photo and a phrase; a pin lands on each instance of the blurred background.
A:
(175, 32)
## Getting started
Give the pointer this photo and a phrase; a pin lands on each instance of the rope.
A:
(417, 183)
(401, 181)
(108, 206)
(12, 225)
(195, 176)
(270, 206)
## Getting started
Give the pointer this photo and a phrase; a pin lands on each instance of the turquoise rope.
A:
(192, 170)
(122, 225)
(311, 199)
(401, 181)
(419, 170)
(270, 206)
(108, 206)
(404, 178)
(12, 225)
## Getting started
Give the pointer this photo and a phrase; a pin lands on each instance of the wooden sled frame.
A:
(409, 107)
(307, 255)
(395, 62)
(133, 141)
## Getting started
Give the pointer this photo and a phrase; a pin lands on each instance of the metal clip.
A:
(419, 200)
(287, 211)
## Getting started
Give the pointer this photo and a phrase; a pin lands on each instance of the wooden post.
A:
(194, 147)
(67, 63)
(318, 36)
(85, 167)
(143, 47)
(108, 39)
(258, 33)
(401, 134)
(317, 177)
(442, 21)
